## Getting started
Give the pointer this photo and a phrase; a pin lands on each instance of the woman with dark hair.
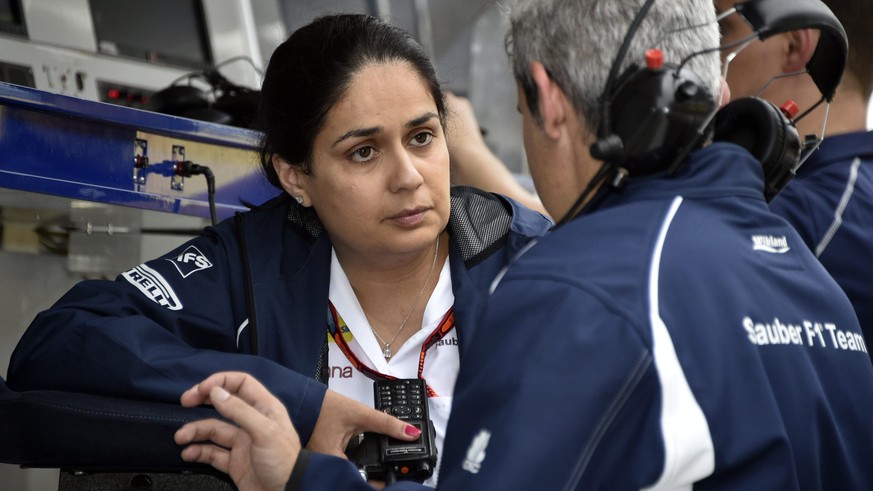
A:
(367, 265)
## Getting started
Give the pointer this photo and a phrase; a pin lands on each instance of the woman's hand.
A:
(260, 453)
(342, 418)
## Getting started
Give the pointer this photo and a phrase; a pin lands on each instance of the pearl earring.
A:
(299, 200)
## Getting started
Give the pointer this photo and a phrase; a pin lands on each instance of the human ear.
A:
(552, 103)
(801, 47)
(292, 178)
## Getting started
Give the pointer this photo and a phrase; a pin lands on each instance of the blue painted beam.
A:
(80, 149)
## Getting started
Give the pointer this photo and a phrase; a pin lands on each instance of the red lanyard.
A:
(446, 324)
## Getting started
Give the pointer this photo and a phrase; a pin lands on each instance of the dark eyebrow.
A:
(359, 132)
(364, 132)
(424, 118)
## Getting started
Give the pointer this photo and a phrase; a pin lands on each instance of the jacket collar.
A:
(836, 148)
(718, 170)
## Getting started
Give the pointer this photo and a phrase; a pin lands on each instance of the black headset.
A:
(651, 117)
(654, 115)
(768, 133)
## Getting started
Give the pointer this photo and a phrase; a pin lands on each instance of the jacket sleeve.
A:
(329, 473)
(154, 332)
(526, 223)
(546, 379)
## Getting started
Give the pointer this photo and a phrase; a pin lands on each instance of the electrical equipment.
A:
(122, 52)
(59, 140)
(171, 32)
(11, 20)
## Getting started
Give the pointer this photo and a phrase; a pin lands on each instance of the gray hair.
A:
(577, 41)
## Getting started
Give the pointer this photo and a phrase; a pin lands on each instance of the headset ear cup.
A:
(655, 114)
(761, 128)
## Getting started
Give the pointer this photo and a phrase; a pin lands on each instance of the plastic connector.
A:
(186, 168)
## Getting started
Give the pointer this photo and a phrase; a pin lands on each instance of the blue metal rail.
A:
(80, 149)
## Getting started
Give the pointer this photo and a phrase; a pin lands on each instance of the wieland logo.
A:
(190, 261)
(769, 243)
(154, 286)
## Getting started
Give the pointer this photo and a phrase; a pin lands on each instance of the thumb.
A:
(379, 422)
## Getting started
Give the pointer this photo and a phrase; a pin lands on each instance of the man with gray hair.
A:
(670, 332)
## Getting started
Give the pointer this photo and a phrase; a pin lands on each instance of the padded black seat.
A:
(101, 440)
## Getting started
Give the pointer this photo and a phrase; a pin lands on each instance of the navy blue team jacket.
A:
(679, 335)
(830, 203)
(165, 325)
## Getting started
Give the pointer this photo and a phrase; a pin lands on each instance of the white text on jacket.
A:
(804, 333)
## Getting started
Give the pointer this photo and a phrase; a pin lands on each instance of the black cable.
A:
(604, 131)
(210, 194)
(602, 174)
(188, 169)
(248, 59)
(605, 116)
(206, 73)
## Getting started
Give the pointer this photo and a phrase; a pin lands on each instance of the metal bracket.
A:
(178, 181)
(140, 162)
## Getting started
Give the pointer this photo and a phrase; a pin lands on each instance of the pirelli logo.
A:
(153, 286)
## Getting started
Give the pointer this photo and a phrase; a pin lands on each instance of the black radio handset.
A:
(380, 457)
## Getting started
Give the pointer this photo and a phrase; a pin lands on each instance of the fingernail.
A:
(412, 430)
(219, 393)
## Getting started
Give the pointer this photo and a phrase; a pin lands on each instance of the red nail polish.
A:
(412, 430)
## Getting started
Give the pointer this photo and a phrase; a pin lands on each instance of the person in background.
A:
(366, 266)
(830, 200)
(473, 163)
(655, 339)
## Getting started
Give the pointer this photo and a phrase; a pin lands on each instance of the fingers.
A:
(380, 422)
(259, 422)
(192, 397)
(219, 432)
(241, 398)
(263, 444)
(217, 457)
(241, 385)
(340, 419)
